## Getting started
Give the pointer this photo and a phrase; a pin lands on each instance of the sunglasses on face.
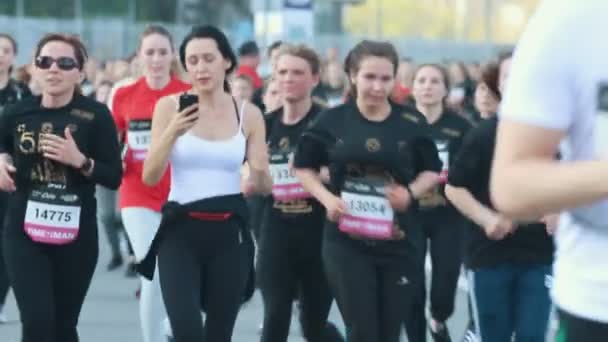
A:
(63, 63)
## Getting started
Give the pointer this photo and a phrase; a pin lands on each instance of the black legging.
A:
(204, 264)
(256, 205)
(290, 266)
(50, 282)
(445, 231)
(373, 285)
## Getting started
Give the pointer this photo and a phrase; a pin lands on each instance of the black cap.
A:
(249, 48)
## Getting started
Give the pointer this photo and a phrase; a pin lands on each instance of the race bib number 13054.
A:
(369, 211)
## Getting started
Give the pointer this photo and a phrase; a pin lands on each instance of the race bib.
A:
(138, 137)
(444, 156)
(369, 211)
(52, 215)
(285, 185)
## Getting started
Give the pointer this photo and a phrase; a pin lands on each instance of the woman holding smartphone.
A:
(205, 252)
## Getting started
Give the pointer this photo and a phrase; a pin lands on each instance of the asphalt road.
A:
(110, 312)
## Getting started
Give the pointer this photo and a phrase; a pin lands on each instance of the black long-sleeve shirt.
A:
(471, 170)
(94, 132)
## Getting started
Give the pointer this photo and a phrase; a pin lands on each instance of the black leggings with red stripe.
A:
(204, 265)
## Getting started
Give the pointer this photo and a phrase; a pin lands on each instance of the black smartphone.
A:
(186, 100)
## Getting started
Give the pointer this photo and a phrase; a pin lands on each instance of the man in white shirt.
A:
(557, 98)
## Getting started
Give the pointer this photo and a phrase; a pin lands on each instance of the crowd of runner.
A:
(327, 180)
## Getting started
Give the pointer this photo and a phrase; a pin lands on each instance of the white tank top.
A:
(203, 168)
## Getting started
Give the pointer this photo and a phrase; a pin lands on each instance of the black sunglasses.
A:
(63, 63)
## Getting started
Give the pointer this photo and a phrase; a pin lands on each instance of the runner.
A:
(557, 96)
(289, 260)
(140, 205)
(273, 98)
(205, 251)
(11, 91)
(486, 105)
(55, 148)
(377, 156)
(242, 88)
(509, 263)
(442, 225)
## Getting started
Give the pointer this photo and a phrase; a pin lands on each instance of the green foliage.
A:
(7, 7)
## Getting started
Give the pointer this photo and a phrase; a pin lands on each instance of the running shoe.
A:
(470, 336)
(131, 271)
(440, 332)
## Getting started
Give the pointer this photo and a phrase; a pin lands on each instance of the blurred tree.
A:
(8, 7)
(50, 8)
(430, 18)
(447, 19)
(215, 12)
(156, 10)
(99, 8)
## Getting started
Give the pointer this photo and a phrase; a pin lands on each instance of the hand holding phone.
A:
(186, 100)
(186, 116)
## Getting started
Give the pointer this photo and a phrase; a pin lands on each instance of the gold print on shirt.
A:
(410, 117)
(27, 144)
(43, 170)
(369, 171)
(284, 144)
(373, 145)
(452, 132)
(48, 171)
(54, 172)
(299, 206)
(45, 128)
(82, 114)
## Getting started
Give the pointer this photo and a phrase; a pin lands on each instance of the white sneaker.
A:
(470, 336)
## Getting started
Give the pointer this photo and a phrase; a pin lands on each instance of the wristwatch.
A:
(86, 166)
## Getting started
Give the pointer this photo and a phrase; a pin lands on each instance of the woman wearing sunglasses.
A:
(54, 149)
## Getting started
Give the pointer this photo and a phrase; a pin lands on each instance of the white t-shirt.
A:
(559, 80)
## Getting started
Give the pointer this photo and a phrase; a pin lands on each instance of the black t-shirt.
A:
(95, 135)
(448, 133)
(282, 140)
(356, 149)
(471, 170)
(13, 92)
